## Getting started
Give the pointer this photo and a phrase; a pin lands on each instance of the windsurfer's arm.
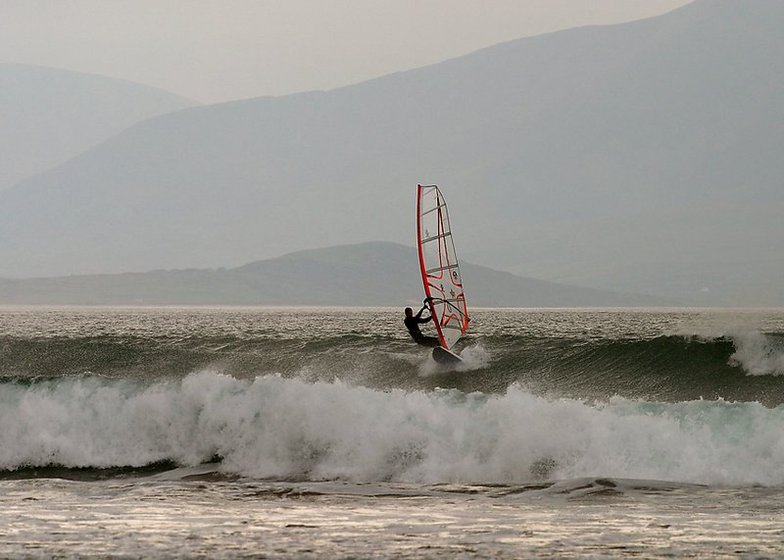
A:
(425, 306)
(419, 318)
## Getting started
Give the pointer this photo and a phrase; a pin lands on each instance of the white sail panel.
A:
(440, 269)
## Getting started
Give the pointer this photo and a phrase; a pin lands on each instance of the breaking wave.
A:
(271, 426)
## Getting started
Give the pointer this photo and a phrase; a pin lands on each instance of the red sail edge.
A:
(422, 270)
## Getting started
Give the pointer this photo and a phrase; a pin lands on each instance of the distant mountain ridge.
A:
(50, 115)
(640, 157)
(367, 274)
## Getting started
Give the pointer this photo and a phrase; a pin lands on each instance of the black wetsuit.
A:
(412, 324)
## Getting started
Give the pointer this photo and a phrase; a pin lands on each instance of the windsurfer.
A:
(412, 323)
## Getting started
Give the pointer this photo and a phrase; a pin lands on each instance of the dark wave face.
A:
(343, 394)
(653, 355)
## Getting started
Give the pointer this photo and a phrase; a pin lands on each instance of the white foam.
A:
(757, 353)
(275, 427)
(474, 357)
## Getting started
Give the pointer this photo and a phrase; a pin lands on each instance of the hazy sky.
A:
(218, 50)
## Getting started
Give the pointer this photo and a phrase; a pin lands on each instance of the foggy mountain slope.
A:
(50, 115)
(637, 157)
(369, 274)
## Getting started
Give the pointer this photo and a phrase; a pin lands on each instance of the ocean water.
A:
(326, 433)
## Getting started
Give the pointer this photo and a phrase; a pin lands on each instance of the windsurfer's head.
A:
(409, 312)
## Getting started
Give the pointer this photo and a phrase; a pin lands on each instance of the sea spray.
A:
(474, 357)
(758, 353)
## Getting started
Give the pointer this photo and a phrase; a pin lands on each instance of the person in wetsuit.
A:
(412, 323)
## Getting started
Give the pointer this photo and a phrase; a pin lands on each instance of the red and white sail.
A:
(440, 269)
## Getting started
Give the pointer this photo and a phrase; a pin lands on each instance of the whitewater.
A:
(325, 432)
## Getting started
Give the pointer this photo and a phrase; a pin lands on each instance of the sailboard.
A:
(440, 269)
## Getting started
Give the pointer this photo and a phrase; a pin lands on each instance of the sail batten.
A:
(430, 271)
(436, 237)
